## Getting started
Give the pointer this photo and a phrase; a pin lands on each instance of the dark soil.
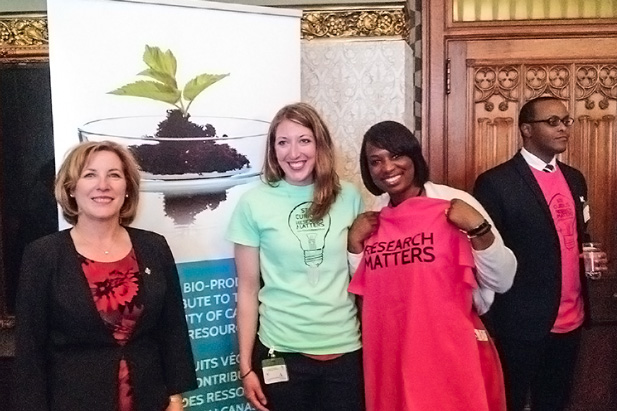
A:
(182, 157)
(184, 209)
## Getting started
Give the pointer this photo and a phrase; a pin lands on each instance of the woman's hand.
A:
(363, 226)
(253, 391)
(466, 218)
(175, 403)
(247, 269)
(463, 216)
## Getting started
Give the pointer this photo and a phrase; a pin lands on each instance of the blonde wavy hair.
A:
(74, 164)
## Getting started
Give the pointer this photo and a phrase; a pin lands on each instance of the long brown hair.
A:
(326, 181)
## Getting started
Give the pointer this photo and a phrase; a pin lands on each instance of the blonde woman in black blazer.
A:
(67, 356)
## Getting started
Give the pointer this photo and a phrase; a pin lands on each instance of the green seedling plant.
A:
(163, 85)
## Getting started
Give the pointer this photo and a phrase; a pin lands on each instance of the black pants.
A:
(541, 370)
(335, 385)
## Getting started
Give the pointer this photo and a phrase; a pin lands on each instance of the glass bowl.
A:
(235, 152)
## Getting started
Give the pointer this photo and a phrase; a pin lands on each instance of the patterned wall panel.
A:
(355, 84)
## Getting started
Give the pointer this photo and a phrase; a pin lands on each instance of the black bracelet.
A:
(481, 233)
(247, 373)
(480, 230)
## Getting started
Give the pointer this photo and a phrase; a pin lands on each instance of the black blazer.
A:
(67, 359)
(514, 200)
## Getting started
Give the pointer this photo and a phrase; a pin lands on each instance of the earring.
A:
(126, 195)
(72, 195)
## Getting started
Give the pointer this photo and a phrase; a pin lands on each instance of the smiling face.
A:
(542, 139)
(394, 174)
(101, 188)
(295, 150)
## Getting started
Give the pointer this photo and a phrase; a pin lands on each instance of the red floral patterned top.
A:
(115, 290)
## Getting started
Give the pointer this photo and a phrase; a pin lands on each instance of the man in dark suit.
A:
(539, 205)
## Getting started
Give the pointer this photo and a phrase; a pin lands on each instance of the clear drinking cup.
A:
(591, 252)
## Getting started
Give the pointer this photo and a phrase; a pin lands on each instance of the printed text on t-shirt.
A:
(408, 250)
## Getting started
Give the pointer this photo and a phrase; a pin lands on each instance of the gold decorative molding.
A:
(361, 22)
(23, 37)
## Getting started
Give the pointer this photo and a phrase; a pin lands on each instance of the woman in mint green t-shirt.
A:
(290, 235)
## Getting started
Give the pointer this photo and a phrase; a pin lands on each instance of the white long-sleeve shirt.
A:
(495, 265)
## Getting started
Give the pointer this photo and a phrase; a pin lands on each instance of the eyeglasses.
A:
(554, 121)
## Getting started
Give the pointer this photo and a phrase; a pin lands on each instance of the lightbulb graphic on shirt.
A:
(312, 237)
(565, 220)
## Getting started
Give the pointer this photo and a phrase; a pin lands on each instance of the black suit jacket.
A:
(514, 200)
(67, 359)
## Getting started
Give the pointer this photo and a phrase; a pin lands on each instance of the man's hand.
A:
(175, 403)
(601, 262)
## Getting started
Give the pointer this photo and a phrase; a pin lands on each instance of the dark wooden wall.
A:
(27, 206)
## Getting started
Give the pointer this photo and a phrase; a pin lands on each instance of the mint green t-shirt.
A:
(304, 304)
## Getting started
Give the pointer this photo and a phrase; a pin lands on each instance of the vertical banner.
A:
(189, 86)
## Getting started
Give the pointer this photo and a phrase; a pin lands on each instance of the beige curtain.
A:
(492, 10)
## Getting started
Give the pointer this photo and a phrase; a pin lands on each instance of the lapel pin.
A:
(148, 270)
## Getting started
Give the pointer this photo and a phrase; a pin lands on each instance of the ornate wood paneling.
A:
(588, 89)
(462, 137)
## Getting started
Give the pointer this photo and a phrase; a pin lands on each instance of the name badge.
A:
(481, 335)
(274, 370)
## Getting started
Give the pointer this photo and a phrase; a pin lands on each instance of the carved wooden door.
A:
(489, 81)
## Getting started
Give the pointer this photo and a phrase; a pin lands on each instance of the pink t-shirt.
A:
(424, 346)
(560, 202)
